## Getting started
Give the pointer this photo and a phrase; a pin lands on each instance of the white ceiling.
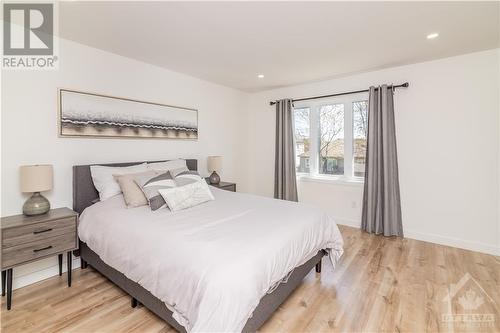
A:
(290, 42)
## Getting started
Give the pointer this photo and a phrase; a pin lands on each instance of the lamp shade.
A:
(214, 163)
(36, 178)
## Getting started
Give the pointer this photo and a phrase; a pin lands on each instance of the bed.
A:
(224, 266)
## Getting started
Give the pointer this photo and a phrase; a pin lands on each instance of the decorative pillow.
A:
(167, 165)
(105, 184)
(175, 172)
(132, 193)
(187, 196)
(151, 185)
(184, 176)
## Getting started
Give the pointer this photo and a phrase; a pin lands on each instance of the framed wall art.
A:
(83, 114)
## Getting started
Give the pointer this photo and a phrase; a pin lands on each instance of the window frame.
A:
(314, 131)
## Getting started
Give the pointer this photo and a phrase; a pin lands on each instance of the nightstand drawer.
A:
(39, 231)
(30, 251)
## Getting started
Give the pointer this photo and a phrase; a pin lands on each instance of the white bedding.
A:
(210, 264)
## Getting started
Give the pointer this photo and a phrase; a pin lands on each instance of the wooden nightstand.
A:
(30, 238)
(224, 185)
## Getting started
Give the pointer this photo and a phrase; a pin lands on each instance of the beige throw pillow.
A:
(132, 193)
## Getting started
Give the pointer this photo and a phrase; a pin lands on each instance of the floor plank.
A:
(380, 285)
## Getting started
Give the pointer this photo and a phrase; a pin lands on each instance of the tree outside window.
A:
(331, 139)
(360, 133)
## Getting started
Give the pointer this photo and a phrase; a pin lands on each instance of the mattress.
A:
(210, 264)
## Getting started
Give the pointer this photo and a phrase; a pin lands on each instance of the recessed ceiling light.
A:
(260, 76)
(433, 35)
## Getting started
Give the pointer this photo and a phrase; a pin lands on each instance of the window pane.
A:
(360, 130)
(331, 139)
(302, 138)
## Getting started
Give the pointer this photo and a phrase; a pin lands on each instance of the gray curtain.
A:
(285, 182)
(381, 198)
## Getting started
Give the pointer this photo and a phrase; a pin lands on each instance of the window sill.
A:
(338, 180)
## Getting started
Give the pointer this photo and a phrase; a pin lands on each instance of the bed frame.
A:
(84, 194)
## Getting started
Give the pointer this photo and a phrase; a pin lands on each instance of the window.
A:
(330, 136)
(360, 130)
(302, 136)
(331, 139)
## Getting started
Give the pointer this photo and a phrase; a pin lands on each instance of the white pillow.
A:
(105, 183)
(187, 196)
(167, 165)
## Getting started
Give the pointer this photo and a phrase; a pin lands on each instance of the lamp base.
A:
(37, 204)
(214, 178)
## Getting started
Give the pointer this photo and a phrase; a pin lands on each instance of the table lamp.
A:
(214, 165)
(35, 179)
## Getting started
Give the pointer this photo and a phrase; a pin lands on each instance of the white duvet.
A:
(210, 264)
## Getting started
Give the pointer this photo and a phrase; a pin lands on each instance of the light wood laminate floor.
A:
(380, 285)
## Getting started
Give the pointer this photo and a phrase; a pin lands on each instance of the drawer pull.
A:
(43, 248)
(41, 231)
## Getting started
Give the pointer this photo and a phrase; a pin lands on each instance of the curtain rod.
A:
(403, 85)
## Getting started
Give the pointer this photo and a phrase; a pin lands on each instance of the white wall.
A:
(448, 143)
(29, 125)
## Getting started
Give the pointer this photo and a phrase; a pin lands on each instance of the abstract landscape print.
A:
(86, 114)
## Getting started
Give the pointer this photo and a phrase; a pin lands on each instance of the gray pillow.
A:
(150, 187)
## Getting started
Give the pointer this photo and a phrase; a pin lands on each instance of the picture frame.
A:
(84, 114)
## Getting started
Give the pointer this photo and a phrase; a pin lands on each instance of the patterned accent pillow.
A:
(150, 187)
(185, 177)
(177, 171)
(189, 195)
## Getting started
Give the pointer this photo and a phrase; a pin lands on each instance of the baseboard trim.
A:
(436, 239)
(453, 242)
(40, 275)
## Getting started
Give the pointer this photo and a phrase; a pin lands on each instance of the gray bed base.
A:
(84, 193)
(268, 304)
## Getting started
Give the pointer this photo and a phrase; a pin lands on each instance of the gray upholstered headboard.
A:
(84, 191)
